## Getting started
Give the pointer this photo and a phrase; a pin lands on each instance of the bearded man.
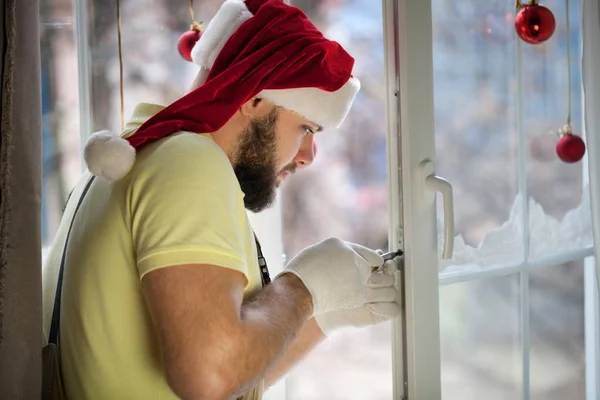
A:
(163, 291)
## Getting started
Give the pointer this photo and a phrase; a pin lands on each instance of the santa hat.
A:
(252, 48)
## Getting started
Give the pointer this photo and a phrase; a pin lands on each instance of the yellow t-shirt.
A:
(180, 204)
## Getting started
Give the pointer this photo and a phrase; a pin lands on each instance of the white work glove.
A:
(335, 273)
(381, 305)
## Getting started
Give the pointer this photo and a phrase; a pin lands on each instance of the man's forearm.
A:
(269, 323)
(308, 338)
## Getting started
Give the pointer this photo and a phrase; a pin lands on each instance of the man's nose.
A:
(307, 152)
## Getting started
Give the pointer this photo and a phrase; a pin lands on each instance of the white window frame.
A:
(589, 12)
(413, 223)
(591, 311)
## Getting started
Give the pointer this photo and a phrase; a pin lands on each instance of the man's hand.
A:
(335, 273)
(381, 305)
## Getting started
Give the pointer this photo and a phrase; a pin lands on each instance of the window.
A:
(523, 219)
(512, 298)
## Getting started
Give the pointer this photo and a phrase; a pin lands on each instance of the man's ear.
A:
(255, 107)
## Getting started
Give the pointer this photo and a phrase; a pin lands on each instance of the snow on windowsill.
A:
(505, 245)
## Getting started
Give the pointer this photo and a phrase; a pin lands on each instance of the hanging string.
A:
(518, 3)
(195, 26)
(120, 46)
(192, 10)
(568, 26)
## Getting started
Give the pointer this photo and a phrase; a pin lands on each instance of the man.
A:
(163, 296)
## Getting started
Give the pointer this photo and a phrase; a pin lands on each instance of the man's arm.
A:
(308, 338)
(213, 345)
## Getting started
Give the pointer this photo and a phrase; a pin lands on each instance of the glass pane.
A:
(61, 159)
(344, 193)
(479, 98)
(559, 204)
(481, 339)
(475, 129)
(557, 332)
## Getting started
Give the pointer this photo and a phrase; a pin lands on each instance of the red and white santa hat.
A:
(252, 48)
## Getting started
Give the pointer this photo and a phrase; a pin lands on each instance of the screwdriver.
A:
(391, 255)
(388, 257)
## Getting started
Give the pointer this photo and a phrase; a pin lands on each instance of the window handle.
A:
(436, 184)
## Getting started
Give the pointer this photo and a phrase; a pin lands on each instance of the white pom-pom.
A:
(108, 156)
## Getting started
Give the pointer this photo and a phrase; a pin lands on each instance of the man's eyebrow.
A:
(315, 127)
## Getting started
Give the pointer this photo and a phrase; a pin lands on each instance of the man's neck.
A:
(226, 138)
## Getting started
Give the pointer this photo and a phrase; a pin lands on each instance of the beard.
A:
(256, 163)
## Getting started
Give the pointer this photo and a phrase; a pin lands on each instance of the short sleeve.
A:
(186, 206)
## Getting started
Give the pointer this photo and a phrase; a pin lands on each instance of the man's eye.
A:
(308, 130)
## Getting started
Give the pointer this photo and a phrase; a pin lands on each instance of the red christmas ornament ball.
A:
(570, 148)
(186, 43)
(534, 23)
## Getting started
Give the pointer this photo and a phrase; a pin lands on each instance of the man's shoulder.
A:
(185, 149)
(183, 155)
(188, 143)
